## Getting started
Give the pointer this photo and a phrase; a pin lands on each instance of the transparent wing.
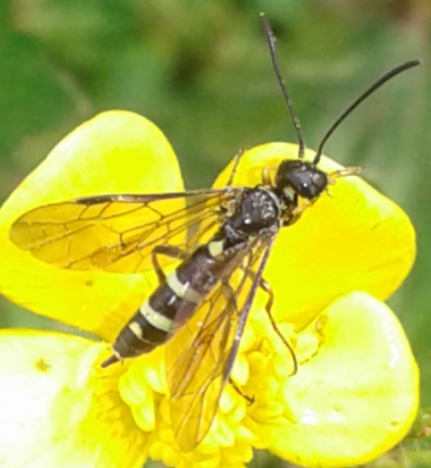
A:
(200, 356)
(119, 232)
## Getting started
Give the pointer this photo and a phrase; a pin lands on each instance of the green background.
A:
(201, 70)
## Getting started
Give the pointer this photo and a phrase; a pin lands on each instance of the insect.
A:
(221, 240)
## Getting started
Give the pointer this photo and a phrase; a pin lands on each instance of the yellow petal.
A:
(356, 398)
(353, 239)
(58, 411)
(116, 152)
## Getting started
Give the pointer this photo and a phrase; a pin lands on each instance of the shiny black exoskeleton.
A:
(301, 177)
(263, 208)
(244, 221)
(258, 209)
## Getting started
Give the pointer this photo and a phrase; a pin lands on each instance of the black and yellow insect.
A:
(221, 240)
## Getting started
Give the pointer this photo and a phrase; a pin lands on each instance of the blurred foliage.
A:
(201, 70)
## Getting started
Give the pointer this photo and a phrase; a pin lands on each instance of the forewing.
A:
(201, 354)
(118, 232)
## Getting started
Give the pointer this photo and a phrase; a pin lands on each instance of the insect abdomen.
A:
(187, 287)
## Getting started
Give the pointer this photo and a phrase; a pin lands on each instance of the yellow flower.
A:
(355, 394)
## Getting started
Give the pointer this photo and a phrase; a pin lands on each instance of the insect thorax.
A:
(257, 213)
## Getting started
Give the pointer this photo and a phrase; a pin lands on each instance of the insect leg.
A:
(168, 251)
(235, 166)
(249, 399)
(345, 172)
(267, 288)
(266, 177)
(297, 212)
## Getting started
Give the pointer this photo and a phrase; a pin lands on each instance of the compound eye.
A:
(319, 180)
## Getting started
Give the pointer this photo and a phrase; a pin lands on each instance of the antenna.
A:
(380, 82)
(271, 42)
